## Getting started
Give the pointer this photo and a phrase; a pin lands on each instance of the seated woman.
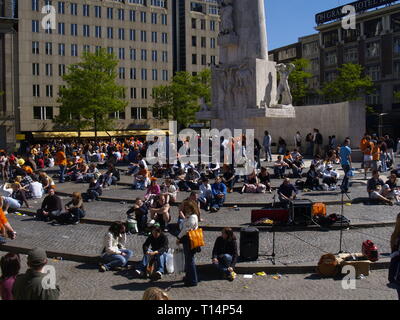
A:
(225, 253)
(158, 170)
(46, 181)
(141, 179)
(190, 182)
(74, 211)
(139, 212)
(111, 177)
(264, 179)
(253, 185)
(392, 183)
(82, 171)
(169, 191)
(95, 190)
(152, 191)
(114, 255)
(159, 212)
(330, 177)
(154, 250)
(19, 195)
(93, 172)
(312, 181)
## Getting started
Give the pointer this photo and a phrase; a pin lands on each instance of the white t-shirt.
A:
(36, 189)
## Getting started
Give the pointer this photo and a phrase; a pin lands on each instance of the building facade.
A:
(374, 44)
(8, 74)
(152, 40)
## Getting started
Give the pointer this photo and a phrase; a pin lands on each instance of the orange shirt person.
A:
(61, 160)
(5, 227)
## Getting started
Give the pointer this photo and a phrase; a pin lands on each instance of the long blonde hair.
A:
(395, 238)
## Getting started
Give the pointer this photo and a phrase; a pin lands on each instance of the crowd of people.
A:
(207, 184)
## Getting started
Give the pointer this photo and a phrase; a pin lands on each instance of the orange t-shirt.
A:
(61, 159)
(376, 153)
(369, 146)
(3, 219)
(363, 144)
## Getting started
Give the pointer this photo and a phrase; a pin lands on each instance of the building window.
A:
(154, 56)
(289, 53)
(213, 10)
(193, 23)
(194, 58)
(121, 34)
(133, 93)
(121, 53)
(330, 39)
(132, 35)
(133, 54)
(212, 43)
(110, 13)
(213, 60)
(138, 113)
(164, 19)
(144, 74)
(74, 9)
(395, 22)
(374, 72)
(121, 14)
(143, 36)
(203, 60)
(144, 55)
(351, 55)
(36, 90)
(110, 33)
(120, 115)
(374, 98)
(373, 49)
(35, 47)
(121, 73)
(154, 18)
(49, 69)
(311, 49)
(330, 76)
(86, 11)
(42, 113)
(49, 91)
(110, 50)
(212, 25)
(144, 93)
(61, 69)
(203, 24)
(373, 28)
(164, 56)
(194, 41)
(396, 46)
(351, 35)
(203, 42)
(97, 11)
(61, 28)
(154, 75)
(49, 48)
(154, 37)
(165, 75)
(35, 25)
(74, 50)
(396, 69)
(143, 17)
(132, 15)
(164, 37)
(197, 7)
(74, 29)
(133, 73)
(61, 7)
(35, 69)
(98, 31)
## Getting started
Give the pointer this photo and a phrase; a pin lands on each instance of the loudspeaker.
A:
(302, 212)
(249, 244)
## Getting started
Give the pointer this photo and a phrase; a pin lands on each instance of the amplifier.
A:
(301, 211)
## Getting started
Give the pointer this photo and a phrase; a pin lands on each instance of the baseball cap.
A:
(37, 256)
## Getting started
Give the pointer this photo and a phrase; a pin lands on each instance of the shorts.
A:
(367, 161)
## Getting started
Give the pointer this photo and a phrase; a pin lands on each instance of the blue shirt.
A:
(218, 188)
(345, 153)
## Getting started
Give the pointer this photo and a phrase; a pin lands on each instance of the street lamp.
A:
(380, 125)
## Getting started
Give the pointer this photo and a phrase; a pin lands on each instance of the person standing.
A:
(191, 222)
(390, 147)
(29, 286)
(61, 161)
(267, 146)
(297, 141)
(318, 141)
(345, 161)
(5, 227)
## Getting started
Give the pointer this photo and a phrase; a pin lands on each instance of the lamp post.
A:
(380, 125)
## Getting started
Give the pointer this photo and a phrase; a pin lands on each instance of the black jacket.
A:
(160, 244)
(222, 247)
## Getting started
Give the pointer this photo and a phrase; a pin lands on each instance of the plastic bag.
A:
(179, 260)
(169, 261)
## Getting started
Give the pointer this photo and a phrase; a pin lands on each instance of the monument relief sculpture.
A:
(283, 87)
(226, 14)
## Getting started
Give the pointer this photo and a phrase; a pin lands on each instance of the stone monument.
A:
(245, 89)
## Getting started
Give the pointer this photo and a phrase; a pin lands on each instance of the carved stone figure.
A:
(226, 14)
(283, 87)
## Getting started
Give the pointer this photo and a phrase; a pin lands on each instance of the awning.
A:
(90, 134)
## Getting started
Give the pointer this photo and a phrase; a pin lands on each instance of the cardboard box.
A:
(361, 265)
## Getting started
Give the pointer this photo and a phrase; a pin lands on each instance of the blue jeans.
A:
(190, 265)
(62, 173)
(278, 172)
(345, 183)
(160, 262)
(268, 153)
(139, 185)
(217, 202)
(12, 203)
(224, 262)
(383, 160)
(117, 260)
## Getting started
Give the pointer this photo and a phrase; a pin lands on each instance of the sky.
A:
(287, 20)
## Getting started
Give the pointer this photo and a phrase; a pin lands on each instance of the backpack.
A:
(328, 265)
(370, 250)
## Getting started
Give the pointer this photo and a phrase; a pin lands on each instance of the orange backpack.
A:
(319, 209)
(328, 265)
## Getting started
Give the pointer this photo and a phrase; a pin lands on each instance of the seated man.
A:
(280, 167)
(330, 177)
(297, 166)
(51, 206)
(205, 196)
(159, 212)
(219, 194)
(213, 170)
(377, 190)
(191, 180)
(228, 177)
(287, 192)
(139, 212)
(158, 242)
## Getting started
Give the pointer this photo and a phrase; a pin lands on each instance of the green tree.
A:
(179, 100)
(350, 84)
(91, 93)
(298, 81)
